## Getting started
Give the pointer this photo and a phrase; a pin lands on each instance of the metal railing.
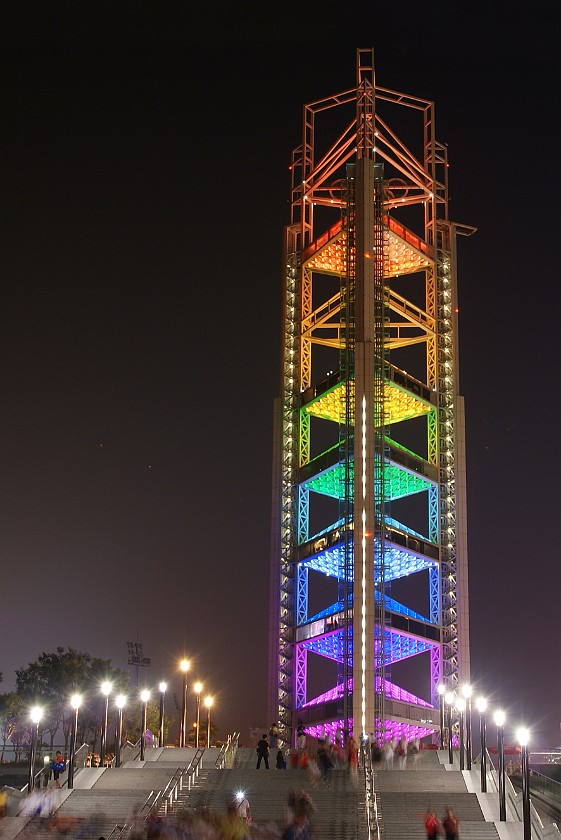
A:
(370, 798)
(515, 806)
(227, 752)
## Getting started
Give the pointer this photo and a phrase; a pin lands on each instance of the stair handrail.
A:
(370, 797)
(515, 801)
(227, 752)
(183, 776)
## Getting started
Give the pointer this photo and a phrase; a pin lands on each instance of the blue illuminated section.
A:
(313, 637)
(390, 604)
(400, 560)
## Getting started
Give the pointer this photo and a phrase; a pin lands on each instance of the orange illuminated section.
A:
(407, 252)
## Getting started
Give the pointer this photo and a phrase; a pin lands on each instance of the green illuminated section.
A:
(399, 482)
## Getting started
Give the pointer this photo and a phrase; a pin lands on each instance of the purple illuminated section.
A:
(394, 692)
(392, 728)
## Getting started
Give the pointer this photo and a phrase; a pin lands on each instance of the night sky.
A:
(145, 186)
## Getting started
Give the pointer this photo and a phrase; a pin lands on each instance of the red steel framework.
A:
(369, 554)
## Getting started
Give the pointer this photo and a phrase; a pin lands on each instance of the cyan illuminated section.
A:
(405, 473)
(404, 398)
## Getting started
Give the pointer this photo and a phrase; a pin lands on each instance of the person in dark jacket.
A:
(263, 752)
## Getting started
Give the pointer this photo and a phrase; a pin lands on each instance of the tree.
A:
(11, 707)
(54, 677)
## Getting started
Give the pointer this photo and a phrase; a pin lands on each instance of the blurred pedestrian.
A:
(432, 824)
(450, 825)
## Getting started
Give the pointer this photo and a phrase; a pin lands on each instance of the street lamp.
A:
(441, 692)
(35, 715)
(198, 689)
(120, 701)
(145, 697)
(163, 687)
(467, 692)
(208, 704)
(184, 665)
(75, 701)
(481, 704)
(105, 689)
(500, 718)
(449, 698)
(461, 707)
(523, 736)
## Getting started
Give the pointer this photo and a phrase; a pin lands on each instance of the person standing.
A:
(301, 736)
(58, 766)
(263, 752)
(274, 736)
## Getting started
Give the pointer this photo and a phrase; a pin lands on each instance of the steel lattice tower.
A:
(369, 550)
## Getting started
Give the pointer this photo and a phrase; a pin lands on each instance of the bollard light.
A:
(208, 704)
(184, 666)
(467, 692)
(441, 688)
(481, 704)
(145, 697)
(523, 737)
(163, 689)
(36, 714)
(120, 701)
(500, 718)
(198, 689)
(449, 697)
(75, 702)
(105, 689)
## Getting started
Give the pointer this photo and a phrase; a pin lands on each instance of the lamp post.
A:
(523, 740)
(120, 702)
(467, 692)
(461, 707)
(208, 704)
(35, 715)
(163, 688)
(198, 689)
(481, 704)
(449, 697)
(441, 692)
(184, 665)
(500, 718)
(105, 689)
(145, 697)
(75, 701)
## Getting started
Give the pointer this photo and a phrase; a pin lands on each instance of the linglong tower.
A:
(369, 582)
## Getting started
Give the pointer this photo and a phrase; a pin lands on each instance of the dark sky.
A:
(145, 186)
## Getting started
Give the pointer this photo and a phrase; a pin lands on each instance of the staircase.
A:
(405, 795)
(339, 814)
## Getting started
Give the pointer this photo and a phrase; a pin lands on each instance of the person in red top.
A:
(432, 824)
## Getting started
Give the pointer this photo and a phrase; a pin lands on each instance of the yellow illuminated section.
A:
(399, 404)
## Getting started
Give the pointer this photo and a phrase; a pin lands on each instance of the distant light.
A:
(75, 701)
(467, 691)
(240, 795)
(523, 736)
(120, 701)
(208, 702)
(163, 687)
(184, 665)
(145, 695)
(441, 689)
(500, 717)
(481, 704)
(36, 714)
(106, 688)
(461, 704)
(198, 687)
